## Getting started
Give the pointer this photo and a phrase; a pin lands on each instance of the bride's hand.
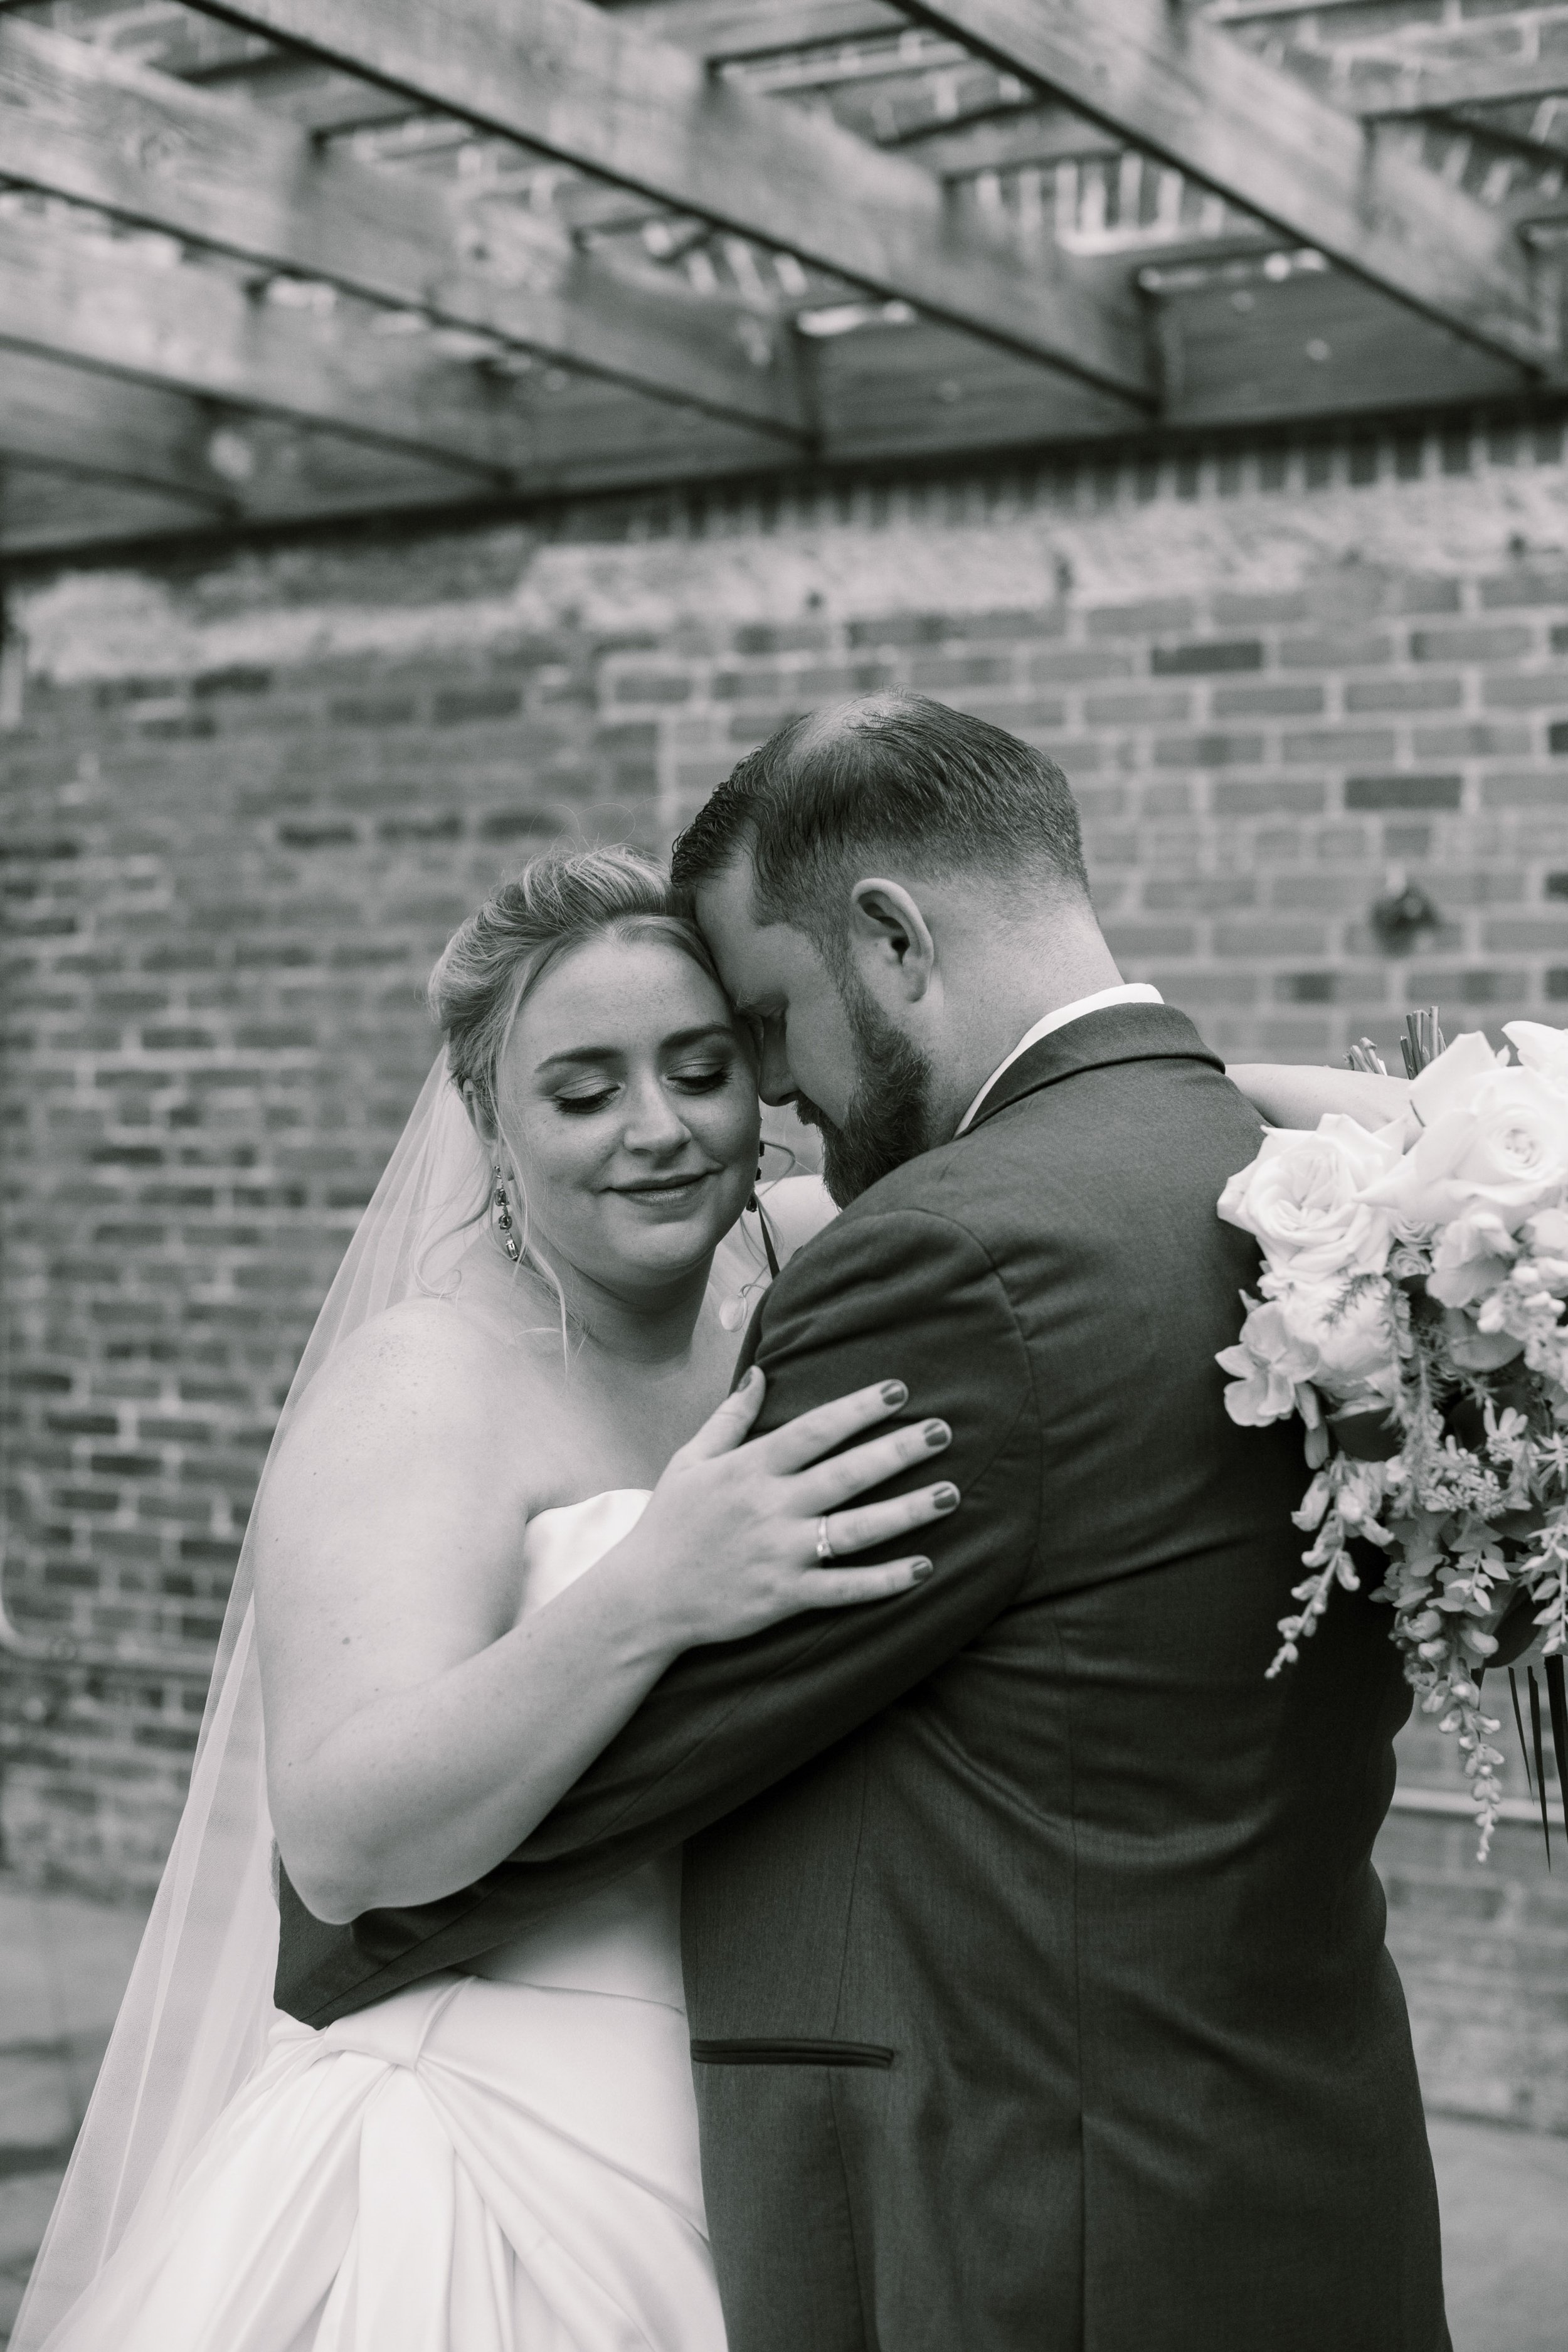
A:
(730, 1537)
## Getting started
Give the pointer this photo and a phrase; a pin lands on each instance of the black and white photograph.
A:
(784, 1175)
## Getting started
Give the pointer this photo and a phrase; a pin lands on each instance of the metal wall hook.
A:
(1405, 913)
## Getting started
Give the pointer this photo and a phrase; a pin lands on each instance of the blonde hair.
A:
(561, 900)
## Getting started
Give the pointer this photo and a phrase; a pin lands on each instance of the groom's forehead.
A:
(756, 958)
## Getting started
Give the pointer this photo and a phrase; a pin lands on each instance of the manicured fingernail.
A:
(920, 1569)
(936, 1434)
(944, 1499)
(894, 1393)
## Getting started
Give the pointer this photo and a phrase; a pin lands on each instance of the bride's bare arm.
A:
(416, 1731)
(1288, 1095)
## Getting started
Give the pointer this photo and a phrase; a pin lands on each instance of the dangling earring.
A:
(754, 1206)
(503, 1218)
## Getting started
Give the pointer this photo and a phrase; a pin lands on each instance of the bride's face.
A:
(629, 1095)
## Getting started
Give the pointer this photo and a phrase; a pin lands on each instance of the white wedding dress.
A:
(497, 2161)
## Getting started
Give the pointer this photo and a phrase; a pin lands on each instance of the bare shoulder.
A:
(421, 1406)
(419, 1366)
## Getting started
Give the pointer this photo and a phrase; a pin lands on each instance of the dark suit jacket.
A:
(1034, 1953)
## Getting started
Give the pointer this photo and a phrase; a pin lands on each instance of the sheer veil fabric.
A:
(198, 2011)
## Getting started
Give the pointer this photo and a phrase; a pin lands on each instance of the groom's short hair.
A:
(892, 775)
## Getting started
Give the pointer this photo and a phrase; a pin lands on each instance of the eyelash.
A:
(705, 1082)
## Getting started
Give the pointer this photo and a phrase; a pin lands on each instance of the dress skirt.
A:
(470, 2166)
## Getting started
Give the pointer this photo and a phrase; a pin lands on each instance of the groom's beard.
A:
(887, 1120)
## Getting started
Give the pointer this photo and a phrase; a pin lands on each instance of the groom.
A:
(1034, 1955)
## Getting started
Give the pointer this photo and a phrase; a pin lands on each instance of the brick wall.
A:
(241, 806)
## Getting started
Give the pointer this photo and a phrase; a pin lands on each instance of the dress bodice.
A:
(624, 1937)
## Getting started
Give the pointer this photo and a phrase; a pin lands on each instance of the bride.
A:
(542, 1306)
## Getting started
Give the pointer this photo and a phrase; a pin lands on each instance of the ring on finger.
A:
(823, 1540)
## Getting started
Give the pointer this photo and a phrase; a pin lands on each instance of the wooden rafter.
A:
(752, 28)
(577, 84)
(138, 435)
(1443, 85)
(214, 466)
(1194, 96)
(199, 332)
(145, 147)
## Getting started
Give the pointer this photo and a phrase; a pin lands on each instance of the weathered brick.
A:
(1271, 941)
(1526, 935)
(1195, 660)
(1475, 644)
(1212, 751)
(1163, 616)
(1538, 689)
(1339, 746)
(1136, 706)
(1266, 701)
(1524, 587)
(1402, 694)
(214, 940)
(1299, 798)
(1471, 740)
(1404, 792)
(1066, 664)
(1348, 649)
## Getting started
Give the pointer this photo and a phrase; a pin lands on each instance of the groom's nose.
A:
(775, 1081)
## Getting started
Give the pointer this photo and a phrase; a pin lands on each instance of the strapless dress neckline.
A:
(623, 1939)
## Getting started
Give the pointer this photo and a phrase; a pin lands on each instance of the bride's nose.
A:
(654, 1123)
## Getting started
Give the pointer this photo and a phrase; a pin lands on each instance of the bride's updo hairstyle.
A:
(561, 900)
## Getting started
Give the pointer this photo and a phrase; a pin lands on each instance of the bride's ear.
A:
(481, 1115)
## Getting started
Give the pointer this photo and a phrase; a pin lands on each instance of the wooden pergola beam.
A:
(225, 465)
(1416, 86)
(146, 148)
(1188, 92)
(576, 83)
(138, 435)
(198, 330)
(753, 28)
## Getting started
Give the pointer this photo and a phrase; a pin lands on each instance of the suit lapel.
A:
(1095, 1041)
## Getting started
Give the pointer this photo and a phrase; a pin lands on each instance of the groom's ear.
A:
(891, 940)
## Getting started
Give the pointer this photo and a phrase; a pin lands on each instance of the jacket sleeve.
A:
(902, 1294)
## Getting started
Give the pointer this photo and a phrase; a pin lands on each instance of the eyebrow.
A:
(598, 1054)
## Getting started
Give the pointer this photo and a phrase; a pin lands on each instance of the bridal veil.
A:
(198, 2007)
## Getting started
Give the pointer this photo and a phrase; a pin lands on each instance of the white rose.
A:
(1546, 1236)
(1304, 1197)
(1268, 1364)
(1473, 1256)
(1450, 1082)
(1500, 1146)
(1542, 1050)
(1353, 1341)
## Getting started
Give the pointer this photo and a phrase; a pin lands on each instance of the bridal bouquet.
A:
(1413, 1314)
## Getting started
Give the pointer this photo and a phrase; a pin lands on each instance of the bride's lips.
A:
(673, 1191)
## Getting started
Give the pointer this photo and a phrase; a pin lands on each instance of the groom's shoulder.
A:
(1082, 1150)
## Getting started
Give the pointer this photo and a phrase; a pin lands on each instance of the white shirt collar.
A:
(1129, 991)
